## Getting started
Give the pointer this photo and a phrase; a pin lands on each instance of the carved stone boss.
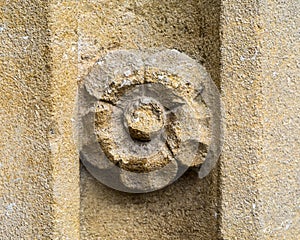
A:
(145, 117)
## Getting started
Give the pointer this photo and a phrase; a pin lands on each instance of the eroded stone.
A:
(144, 119)
(152, 109)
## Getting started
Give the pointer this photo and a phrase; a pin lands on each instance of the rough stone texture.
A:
(144, 119)
(64, 154)
(260, 160)
(179, 211)
(25, 105)
(188, 100)
(242, 98)
(279, 172)
(259, 168)
(187, 209)
(39, 170)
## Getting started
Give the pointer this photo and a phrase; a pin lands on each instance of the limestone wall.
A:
(250, 50)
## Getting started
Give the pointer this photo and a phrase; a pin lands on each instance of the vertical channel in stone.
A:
(191, 27)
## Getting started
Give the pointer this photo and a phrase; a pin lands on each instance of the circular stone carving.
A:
(144, 117)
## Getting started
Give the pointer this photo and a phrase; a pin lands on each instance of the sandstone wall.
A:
(250, 48)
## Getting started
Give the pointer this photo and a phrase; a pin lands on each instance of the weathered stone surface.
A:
(192, 27)
(39, 168)
(260, 158)
(148, 109)
(254, 192)
(144, 119)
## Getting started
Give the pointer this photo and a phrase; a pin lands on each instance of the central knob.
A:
(144, 119)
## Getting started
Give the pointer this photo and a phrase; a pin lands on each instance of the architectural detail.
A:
(50, 51)
(146, 117)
